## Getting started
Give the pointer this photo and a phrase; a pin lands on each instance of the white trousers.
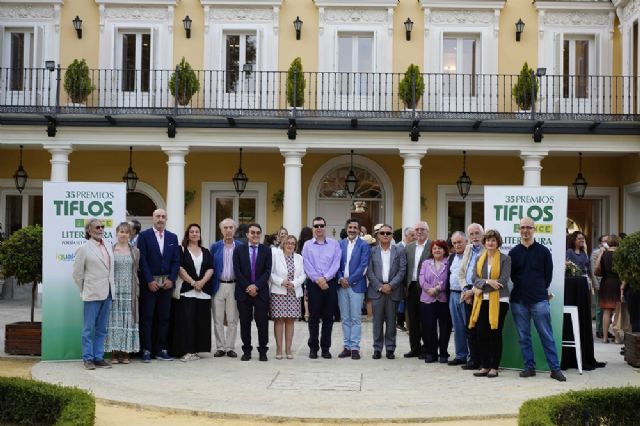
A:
(225, 301)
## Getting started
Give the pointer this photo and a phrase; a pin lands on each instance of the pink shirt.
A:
(103, 250)
(160, 239)
(430, 278)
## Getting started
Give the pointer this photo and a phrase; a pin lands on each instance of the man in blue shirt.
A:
(531, 273)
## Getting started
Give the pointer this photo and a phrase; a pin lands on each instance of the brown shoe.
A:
(346, 353)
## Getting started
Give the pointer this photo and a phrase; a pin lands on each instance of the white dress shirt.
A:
(386, 263)
(350, 245)
(419, 250)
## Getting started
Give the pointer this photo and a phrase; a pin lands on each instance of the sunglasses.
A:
(318, 225)
(386, 234)
(98, 227)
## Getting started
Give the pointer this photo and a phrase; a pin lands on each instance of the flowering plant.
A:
(571, 269)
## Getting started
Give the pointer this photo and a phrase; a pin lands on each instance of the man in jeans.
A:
(456, 302)
(531, 273)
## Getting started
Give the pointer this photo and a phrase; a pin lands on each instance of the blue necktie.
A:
(253, 264)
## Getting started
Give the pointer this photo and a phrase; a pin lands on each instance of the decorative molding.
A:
(631, 8)
(355, 15)
(136, 13)
(577, 18)
(56, 17)
(245, 3)
(241, 14)
(357, 3)
(462, 17)
(25, 11)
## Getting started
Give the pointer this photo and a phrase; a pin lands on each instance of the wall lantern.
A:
(297, 24)
(130, 178)
(519, 29)
(240, 179)
(351, 182)
(77, 25)
(464, 181)
(20, 176)
(580, 184)
(186, 23)
(408, 26)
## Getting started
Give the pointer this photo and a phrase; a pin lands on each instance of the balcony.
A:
(332, 100)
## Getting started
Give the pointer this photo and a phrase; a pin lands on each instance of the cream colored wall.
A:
(307, 47)
(191, 48)
(512, 53)
(34, 161)
(71, 47)
(406, 52)
(629, 169)
(599, 171)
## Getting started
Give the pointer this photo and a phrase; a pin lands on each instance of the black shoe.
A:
(103, 363)
(557, 375)
(391, 355)
(232, 354)
(443, 360)
(610, 336)
(411, 354)
(622, 351)
(326, 354)
(600, 364)
(263, 357)
(470, 366)
(219, 353)
(355, 354)
(456, 361)
(313, 354)
(481, 373)
(422, 356)
(377, 355)
(346, 353)
(89, 365)
(429, 359)
(245, 357)
(528, 373)
(599, 334)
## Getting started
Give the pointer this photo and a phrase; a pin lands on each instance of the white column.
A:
(532, 168)
(411, 213)
(175, 188)
(59, 162)
(292, 206)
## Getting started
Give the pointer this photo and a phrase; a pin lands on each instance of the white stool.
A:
(575, 343)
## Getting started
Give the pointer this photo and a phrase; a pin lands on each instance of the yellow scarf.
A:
(494, 296)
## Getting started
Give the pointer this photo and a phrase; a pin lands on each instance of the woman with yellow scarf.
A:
(490, 303)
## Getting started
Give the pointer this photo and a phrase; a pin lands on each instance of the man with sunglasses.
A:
(531, 273)
(321, 257)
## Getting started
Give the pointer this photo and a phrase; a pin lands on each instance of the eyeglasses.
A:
(255, 232)
(421, 229)
(98, 227)
(386, 234)
(318, 225)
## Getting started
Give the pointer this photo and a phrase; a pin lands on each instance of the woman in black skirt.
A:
(192, 312)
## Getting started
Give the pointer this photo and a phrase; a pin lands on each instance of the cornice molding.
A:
(355, 3)
(29, 11)
(243, 3)
(462, 5)
(141, 3)
(579, 6)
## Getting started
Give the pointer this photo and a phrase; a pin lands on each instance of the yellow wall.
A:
(307, 47)
(524, 50)
(630, 169)
(71, 47)
(406, 52)
(191, 48)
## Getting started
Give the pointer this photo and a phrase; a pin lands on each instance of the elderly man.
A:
(223, 288)
(456, 302)
(472, 253)
(408, 236)
(416, 252)
(353, 285)
(387, 267)
(159, 264)
(321, 257)
(531, 273)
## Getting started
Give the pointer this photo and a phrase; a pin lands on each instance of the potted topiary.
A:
(626, 263)
(77, 82)
(406, 86)
(295, 78)
(21, 257)
(187, 82)
(521, 91)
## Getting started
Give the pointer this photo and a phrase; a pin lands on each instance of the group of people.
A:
(152, 294)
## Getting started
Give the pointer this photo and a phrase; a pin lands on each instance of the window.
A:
(228, 204)
(135, 62)
(241, 54)
(461, 214)
(21, 211)
(460, 58)
(576, 67)
(355, 55)
(20, 59)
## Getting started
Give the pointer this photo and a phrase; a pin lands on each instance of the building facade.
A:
(407, 138)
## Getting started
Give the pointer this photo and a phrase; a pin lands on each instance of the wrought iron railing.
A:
(325, 94)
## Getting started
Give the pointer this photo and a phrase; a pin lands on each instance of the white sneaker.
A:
(187, 358)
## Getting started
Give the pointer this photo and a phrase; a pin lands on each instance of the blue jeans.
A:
(350, 304)
(458, 320)
(541, 314)
(94, 329)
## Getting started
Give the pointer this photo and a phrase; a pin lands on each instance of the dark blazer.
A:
(410, 250)
(242, 270)
(217, 251)
(397, 270)
(357, 265)
(187, 263)
(152, 262)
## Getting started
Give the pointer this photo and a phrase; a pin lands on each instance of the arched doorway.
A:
(372, 202)
(142, 202)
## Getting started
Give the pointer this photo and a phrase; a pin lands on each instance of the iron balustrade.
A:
(326, 94)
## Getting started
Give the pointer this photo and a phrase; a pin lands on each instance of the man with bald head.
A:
(159, 265)
(416, 252)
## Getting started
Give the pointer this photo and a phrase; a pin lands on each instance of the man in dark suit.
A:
(387, 268)
(252, 268)
(417, 252)
(159, 264)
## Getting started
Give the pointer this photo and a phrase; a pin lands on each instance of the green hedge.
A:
(27, 402)
(612, 406)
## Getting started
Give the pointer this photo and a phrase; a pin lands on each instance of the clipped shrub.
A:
(610, 406)
(626, 260)
(300, 83)
(521, 91)
(28, 402)
(77, 82)
(405, 87)
(188, 83)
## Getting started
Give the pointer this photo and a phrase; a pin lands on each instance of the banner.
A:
(66, 208)
(504, 206)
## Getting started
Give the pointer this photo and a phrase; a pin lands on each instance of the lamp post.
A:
(519, 29)
(297, 24)
(186, 23)
(408, 26)
(77, 25)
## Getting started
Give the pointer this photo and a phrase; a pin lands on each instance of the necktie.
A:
(253, 264)
(160, 234)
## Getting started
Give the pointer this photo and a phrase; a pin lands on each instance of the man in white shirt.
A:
(456, 303)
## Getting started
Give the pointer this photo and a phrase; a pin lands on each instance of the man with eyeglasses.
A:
(159, 264)
(252, 268)
(416, 252)
(352, 287)
(531, 273)
(386, 271)
(321, 257)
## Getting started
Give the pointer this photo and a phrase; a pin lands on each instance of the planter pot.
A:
(632, 349)
(23, 338)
